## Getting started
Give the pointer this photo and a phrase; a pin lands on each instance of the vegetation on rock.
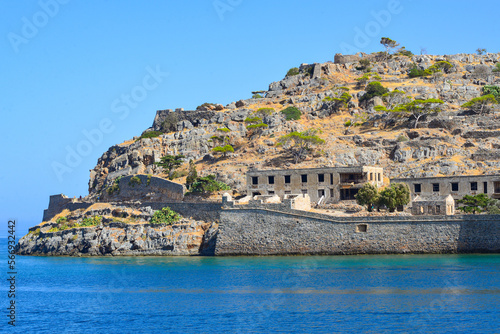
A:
(165, 216)
(292, 113)
(207, 184)
(299, 144)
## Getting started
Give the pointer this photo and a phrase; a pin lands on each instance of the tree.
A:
(481, 105)
(397, 194)
(394, 101)
(367, 195)
(388, 44)
(223, 149)
(207, 184)
(224, 146)
(473, 204)
(496, 69)
(170, 162)
(255, 125)
(420, 108)
(192, 174)
(299, 144)
(480, 51)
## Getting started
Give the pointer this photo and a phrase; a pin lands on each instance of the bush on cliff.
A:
(292, 113)
(373, 89)
(150, 134)
(165, 216)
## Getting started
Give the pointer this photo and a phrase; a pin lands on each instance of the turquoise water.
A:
(368, 294)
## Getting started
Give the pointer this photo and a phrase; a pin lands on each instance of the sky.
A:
(78, 77)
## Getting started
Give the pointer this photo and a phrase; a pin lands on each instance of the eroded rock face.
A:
(186, 237)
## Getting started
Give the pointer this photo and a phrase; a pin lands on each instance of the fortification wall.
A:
(58, 203)
(266, 232)
(207, 212)
(144, 188)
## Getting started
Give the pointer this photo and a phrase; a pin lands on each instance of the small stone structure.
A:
(433, 205)
(456, 186)
(332, 183)
(300, 202)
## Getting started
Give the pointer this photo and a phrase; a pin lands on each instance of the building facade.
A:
(456, 186)
(433, 205)
(333, 184)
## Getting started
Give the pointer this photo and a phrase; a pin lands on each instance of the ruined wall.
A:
(58, 203)
(144, 188)
(266, 232)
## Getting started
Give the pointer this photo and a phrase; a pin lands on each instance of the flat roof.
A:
(309, 169)
(446, 177)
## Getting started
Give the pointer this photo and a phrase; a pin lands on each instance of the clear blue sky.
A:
(68, 66)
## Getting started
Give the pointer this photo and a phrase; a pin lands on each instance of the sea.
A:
(277, 294)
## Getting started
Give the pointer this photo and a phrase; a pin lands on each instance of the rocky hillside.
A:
(451, 142)
(117, 231)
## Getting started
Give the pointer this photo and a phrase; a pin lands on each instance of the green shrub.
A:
(265, 111)
(90, 221)
(493, 90)
(401, 139)
(207, 184)
(257, 96)
(150, 134)
(61, 220)
(416, 72)
(257, 126)
(364, 65)
(134, 180)
(374, 88)
(293, 71)
(115, 188)
(497, 68)
(165, 216)
(177, 174)
(253, 119)
(292, 113)
(348, 123)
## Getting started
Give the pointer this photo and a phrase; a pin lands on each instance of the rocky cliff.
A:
(446, 143)
(117, 231)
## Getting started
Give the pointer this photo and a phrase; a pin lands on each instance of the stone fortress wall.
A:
(259, 231)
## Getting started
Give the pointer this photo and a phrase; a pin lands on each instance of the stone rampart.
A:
(267, 232)
(143, 188)
(58, 203)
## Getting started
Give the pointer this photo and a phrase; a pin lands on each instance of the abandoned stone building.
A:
(456, 186)
(433, 205)
(333, 184)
